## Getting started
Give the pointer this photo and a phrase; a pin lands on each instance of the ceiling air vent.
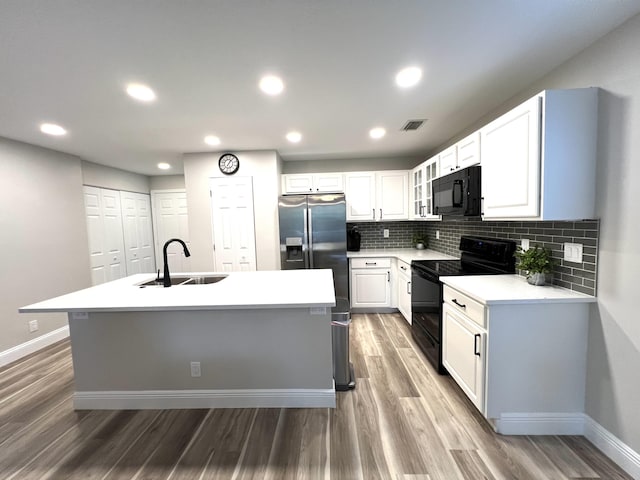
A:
(412, 125)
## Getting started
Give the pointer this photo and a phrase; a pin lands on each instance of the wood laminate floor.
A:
(403, 421)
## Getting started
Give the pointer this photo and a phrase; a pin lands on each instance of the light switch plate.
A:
(573, 252)
(524, 244)
(385, 233)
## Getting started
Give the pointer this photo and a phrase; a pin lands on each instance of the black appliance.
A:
(353, 240)
(479, 256)
(458, 194)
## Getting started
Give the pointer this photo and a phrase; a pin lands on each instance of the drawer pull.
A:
(476, 349)
(461, 305)
(388, 276)
(371, 263)
(403, 268)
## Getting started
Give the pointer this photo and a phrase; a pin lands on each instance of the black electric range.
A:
(479, 256)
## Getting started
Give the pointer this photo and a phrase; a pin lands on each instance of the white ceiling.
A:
(67, 62)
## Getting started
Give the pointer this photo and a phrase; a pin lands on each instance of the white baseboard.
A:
(540, 424)
(614, 448)
(32, 346)
(177, 399)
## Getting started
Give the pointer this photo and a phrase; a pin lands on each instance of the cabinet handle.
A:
(482, 206)
(409, 288)
(370, 263)
(374, 213)
(461, 305)
(388, 276)
(380, 214)
(403, 268)
(476, 347)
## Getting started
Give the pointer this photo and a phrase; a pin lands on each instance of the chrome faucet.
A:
(167, 278)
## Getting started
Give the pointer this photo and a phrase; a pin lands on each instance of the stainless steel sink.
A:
(184, 280)
(204, 279)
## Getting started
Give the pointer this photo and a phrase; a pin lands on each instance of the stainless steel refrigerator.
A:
(313, 234)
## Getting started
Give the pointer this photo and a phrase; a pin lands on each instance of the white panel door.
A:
(104, 227)
(510, 151)
(170, 220)
(233, 223)
(138, 232)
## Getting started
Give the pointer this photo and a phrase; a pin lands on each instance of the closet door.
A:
(138, 232)
(170, 220)
(104, 227)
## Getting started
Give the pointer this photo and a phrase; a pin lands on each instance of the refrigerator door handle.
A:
(309, 227)
(306, 239)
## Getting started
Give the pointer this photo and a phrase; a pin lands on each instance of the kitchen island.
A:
(253, 339)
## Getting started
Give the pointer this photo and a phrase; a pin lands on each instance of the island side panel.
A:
(237, 349)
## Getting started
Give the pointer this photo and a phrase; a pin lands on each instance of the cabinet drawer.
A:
(462, 303)
(370, 263)
(404, 268)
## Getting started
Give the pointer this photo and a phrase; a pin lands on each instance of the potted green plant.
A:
(537, 262)
(420, 240)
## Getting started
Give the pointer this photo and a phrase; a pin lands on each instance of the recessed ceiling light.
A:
(271, 85)
(52, 129)
(140, 92)
(377, 132)
(408, 77)
(294, 137)
(164, 166)
(212, 140)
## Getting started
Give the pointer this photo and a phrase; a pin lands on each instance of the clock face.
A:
(229, 164)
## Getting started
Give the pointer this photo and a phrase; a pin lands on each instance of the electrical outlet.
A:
(573, 252)
(385, 233)
(524, 244)
(33, 326)
(195, 369)
(437, 234)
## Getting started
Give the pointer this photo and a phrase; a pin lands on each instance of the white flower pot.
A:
(536, 278)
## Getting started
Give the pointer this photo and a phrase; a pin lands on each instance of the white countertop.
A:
(240, 290)
(404, 254)
(512, 289)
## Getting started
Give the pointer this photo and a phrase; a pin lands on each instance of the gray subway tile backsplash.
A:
(576, 276)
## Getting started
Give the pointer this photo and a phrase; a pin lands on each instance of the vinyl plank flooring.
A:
(402, 422)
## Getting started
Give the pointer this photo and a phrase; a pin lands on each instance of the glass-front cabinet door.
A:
(421, 200)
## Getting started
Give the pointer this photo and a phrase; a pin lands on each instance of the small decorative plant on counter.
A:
(537, 262)
(420, 240)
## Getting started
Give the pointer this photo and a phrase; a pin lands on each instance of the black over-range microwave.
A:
(458, 194)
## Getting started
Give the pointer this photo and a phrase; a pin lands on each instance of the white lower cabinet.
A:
(404, 289)
(463, 353)
(522, 364)
(370, 285)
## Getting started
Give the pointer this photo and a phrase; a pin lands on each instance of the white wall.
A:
(43, 237)
(263, 166)
(166, 182)
(613, 382)
(107, 177)
(352, 165)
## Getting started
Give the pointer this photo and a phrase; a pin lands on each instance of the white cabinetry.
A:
(522, 364)
(377, 195)
(370, 285)
(403, 280)
(463, 353)
(463, 154)
(313, 183)
(538, 160)
(421, 192)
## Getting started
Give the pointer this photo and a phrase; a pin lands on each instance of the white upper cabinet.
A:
(313, 183)
(539, 159)
(469, 150)
(377, 195)
(463, 154)
(392, 195)
(421, 192)
(448, 160)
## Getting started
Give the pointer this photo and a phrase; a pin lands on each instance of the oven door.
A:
(426, 307)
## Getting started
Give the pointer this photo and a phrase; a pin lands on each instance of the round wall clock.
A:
(229, 164)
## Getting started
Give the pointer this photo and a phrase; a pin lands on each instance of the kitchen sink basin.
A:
(183, 280)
